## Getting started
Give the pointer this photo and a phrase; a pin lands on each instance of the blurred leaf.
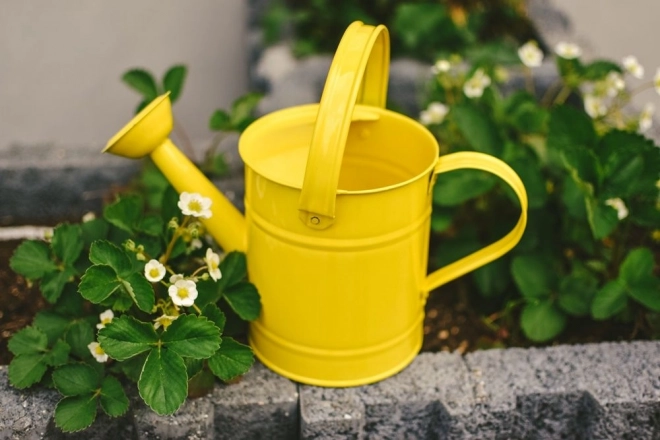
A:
(141, 81)
(173, 81)
(576, 292)
(220, 121)
(602, 218)
(441, 219)
(599, 69)
(242, 110)
(542, 321)
(493, 278)
(479, 129)
(609, 300)
(455, 187)
(570, 127)
(533, 275)
(637, 266)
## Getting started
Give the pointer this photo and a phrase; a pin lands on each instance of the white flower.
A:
(154, 271)
(88, 217)
(656, 81)
(164, 321)
(105, 318)
(621, 210)
(183, 293)
(212, 262)
(613, 84)
(594, 106)
(568, 51)
(176, 277)
(97, 352)
(194, 204)
(434, 114)
(646, 117)
(196, 243)
(633, 67)
(474, 87)
(530, 54)
(441, 66)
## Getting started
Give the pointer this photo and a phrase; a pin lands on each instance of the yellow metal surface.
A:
(338, 205)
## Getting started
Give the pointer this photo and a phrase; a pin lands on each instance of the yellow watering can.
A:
(338, 206)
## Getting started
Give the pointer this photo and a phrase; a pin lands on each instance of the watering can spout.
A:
(147, 134)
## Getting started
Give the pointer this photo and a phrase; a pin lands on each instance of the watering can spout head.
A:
(147, 134)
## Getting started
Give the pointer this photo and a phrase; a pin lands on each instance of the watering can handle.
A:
(480, 161)
(358, 74)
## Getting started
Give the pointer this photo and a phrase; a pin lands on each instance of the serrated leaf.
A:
(29, 340)
(103, 252)
(141, 81)
(52, 324)
(126, 337)
(67, 242)
(478, 128)
(26, 369)
(113, 399)
(208, 291)
(192, 336)
(542, 322)
(533, 275)
(92, 230)
(609, 300)
(58, 355)
(233, 268)
(173, 81)
(215, 315)
(98, 283)
(637, 266)
(456, 187)
(125, 213)
(576, 292)
(152, 225)
(646, 291)
(244, 299)
(163, 384)
(76, 379)
(492, 279)
(570, 127)
(32, 260)
(52, 284)
(231, 360)
(141, 291)
(602, 218)
(79, 335)
(75, 413)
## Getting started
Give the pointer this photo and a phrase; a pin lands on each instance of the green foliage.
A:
(590, 249)
(144, 82)
(117, 265)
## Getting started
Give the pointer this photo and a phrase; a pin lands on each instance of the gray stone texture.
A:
(192, 421)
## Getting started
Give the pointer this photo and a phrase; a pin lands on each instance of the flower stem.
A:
(529, 80)
(175, 236)
(562, 95)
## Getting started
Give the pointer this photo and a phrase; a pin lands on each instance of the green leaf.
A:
(456, 187)
(32, 260)
(233, 268)
(637, 266)
(98, 283)
(75, 413)
(193, 366)
(531, 175)
(67, 242)
(76, 379)
(441, 219)
(53, 284)
(141, 81)
(244, 300)
(79, 335)
(126, 337)
(582, 163)
(113, 399)
(26, 369)
(96, 229)
(232, 360)
(58, 355)
(215, 315)
(192, 336)
(141, 290)
(103, 252)
(621, 181)
(574, 199)
(152, 225)
(598, 69)
(173, 81)
(609, 300)
(125, 213)
(163, 384)
(220, 121)
(646, 291)
(533, 275)
(29, 340)
(242, 109)
(492, 279)
(576, 293)
(570, 127)
(132, 367)
(478, 129)
(542, 322)
(52, 324)
(602, 218)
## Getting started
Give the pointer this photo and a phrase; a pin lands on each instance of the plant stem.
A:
(175, 236)
(562, 95)
(185, 140)
(529, 80)
(552, 89)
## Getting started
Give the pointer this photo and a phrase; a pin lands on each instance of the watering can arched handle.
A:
(358, 74)
(484, 162)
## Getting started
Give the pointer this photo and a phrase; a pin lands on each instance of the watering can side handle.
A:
(495, 250)
(358, 75)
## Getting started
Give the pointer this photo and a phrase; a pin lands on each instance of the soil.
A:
(456, 319)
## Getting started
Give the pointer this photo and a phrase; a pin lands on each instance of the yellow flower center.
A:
(183, 293)
(99, 350)
(195, 206)
(106, 321)
(153, 273)
(165, 322)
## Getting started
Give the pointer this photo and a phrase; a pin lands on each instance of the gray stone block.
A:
(193, 421)
(261, 405)
(327, 413)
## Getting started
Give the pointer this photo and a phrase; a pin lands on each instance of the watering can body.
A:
(336, 229)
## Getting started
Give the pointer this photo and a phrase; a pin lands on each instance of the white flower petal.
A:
(98, 353)
(619, 206)
(530, 54)
(183, 293)
(632, 66)
(568, 51)
(194, 204)
(594, 106)
(154, 271)
(434, 114)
